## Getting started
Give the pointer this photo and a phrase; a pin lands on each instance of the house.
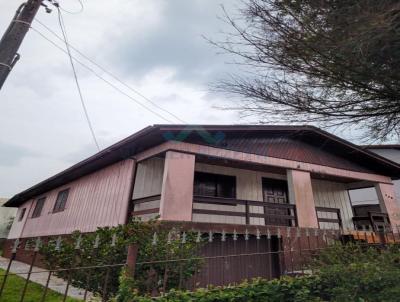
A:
(6, 215)
(224, 177)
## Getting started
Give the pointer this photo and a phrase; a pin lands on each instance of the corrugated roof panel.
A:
(285, 147)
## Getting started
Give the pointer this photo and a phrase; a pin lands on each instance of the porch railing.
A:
(329, 216)
(146, 205)
(272, 213)
(374, 221)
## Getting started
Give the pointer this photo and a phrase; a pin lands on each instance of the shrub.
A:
(358, 273)
(351, 272)
(301, 289)
(167, 245)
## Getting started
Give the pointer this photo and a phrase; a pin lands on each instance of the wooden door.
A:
(275, 192)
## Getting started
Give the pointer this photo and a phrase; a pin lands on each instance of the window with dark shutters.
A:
(38, 207)
(61, 201)
(214, 185)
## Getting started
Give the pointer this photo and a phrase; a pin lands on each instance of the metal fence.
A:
(223, 258)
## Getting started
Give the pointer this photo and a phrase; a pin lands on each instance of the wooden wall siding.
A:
(154, 204)
(248, 187)
(18, 226)
(327, 225)
(96, 200)
(333, 195)
(286, 147)
(148, 182)
(149, 177)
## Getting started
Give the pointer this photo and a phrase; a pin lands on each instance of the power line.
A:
(64, 33)
(101, 78)
(112, 75)
(73, 13)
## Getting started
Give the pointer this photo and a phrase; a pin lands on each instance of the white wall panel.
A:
(248, 187)
(149, 176)
(333, 195)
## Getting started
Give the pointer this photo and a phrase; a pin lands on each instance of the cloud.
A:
(176, 41)
(154, 46)
(12, 154)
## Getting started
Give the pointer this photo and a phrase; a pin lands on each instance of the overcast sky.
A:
(156, 46)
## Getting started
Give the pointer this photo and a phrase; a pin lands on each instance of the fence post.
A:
(14, 249)
(28, 276)
(131, 259)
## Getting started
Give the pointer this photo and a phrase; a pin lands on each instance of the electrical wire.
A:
(64, 33)
(73, 13)
(112, 75)
(100, 77)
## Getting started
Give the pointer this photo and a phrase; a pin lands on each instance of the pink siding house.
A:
(225, 175)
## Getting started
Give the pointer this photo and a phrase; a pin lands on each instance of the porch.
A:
(185, 187)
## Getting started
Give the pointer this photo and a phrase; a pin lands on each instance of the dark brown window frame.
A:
(22, 214)
(37, 211)
(222, 186)
(60, 204)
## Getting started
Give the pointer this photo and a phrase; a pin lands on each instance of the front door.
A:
(275, 192)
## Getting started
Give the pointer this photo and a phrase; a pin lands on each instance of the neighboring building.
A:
(237, 175)
(366, 199)
(368, 195)
(6, 214)
(391, 152)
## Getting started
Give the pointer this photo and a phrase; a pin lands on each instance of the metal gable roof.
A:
(301, 143)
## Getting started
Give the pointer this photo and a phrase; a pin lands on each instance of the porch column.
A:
(300, 192)
(388, 204)
(177, 187)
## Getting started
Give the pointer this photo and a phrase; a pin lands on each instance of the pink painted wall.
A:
(387, 199)
(177, 189)
(95, 200)
(300, 191)
(18, 226)
(260, 159)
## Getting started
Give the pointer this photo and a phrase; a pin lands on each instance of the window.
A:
(22, 214)
(214, 185)
(38, 207)
(61, 201)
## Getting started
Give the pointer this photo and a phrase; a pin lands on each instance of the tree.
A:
(334, 62)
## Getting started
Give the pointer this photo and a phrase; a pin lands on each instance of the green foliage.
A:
(158, 269)
(285, 289)
(149, 277)
(356, 273)
(68, 257)
(166, 272)
(349, 272)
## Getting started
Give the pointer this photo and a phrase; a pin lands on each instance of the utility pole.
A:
(14, 35)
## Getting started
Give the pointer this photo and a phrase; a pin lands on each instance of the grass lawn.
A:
(15, 285)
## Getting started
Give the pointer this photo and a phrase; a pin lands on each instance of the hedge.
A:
(300, 289)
